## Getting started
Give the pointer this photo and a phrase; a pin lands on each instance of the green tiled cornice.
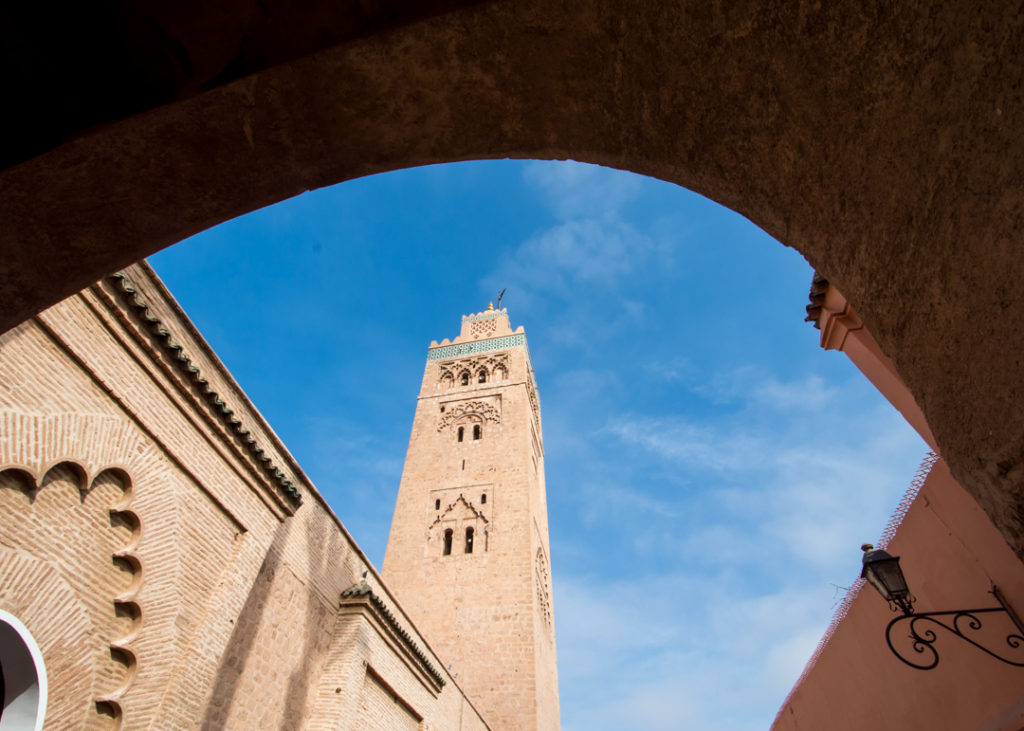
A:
(362, 589)
(475, 346)
(184, 364)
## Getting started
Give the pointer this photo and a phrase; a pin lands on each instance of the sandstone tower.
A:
(468, 550)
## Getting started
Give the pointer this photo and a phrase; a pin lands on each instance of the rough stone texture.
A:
(881, 140)
(488, 612)
(151, 555)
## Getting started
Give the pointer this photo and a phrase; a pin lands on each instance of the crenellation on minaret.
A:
(468, 553)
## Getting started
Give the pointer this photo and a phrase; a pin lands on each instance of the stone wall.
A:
(488, 611)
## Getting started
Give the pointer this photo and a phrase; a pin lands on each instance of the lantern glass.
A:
(883, 572)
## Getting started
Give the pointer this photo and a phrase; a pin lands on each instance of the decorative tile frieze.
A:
(476, 346)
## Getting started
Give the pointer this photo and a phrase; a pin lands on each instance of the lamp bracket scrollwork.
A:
(925, 628)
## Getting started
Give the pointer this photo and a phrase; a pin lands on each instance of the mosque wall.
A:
(172, 562)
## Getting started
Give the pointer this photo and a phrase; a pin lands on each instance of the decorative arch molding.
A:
(479, 411)
(81, 567)
(450, 371)
(459, 513)
(95, 501)
(475, 513)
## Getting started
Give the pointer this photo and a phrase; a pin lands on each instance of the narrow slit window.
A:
(462, 432)
(469, 540)
(483, 499)
(463, 464)
(437, 504)
(476, 431)
(448, 542)
(481, 377)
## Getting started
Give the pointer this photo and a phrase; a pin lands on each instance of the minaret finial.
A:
(490, 307)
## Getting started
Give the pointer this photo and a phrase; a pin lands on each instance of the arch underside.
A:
(882, 141)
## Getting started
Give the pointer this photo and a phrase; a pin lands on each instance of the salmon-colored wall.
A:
(841, 329)
(952, 555)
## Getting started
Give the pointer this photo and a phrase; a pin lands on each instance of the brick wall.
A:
(488, 612)
(157, 558)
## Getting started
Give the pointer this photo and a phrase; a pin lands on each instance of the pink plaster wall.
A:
(952, 555)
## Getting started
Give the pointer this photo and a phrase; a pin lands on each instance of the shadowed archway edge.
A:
(881, 141)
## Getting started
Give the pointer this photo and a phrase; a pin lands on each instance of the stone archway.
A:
(881, 141)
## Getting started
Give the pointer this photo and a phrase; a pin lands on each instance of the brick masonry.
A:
(150, 544)
(476, 463)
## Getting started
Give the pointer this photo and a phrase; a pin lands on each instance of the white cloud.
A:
(602, 499)
(807, 395)
(573, 261)
(678, 368)
(691, 446)
(734, 569)
(576, 190)
(574, 272)
(661, 651)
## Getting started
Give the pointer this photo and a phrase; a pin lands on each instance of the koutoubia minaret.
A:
(468, 554)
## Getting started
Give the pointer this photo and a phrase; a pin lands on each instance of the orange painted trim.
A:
(842, 329)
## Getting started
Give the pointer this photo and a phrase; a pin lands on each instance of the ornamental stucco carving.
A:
(542, 578)
(452, 370)
(480, 409)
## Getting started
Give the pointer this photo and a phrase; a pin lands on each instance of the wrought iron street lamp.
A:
(883, 572)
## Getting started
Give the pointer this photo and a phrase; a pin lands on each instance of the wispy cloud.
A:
(573, 260)
(665, 650)
(734, 566)
(359, 474)
(574, 272)
(575, 190)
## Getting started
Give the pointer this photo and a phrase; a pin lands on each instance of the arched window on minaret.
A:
(448, 542)
(481, 377)
(469, 540)
(465, 378)
(477, 431)
(500, 374)
(461, 432)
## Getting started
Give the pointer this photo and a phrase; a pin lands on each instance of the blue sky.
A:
(711, 471)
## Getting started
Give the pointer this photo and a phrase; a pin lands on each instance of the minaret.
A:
(468, 553)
